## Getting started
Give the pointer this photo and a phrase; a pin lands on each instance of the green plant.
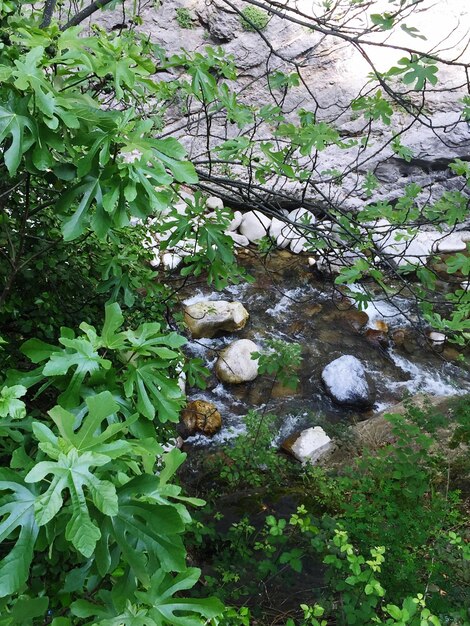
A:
(184, 17)
(250, 459)
(253, 19)
(89, 476)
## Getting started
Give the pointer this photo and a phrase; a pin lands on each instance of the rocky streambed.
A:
(354, 363)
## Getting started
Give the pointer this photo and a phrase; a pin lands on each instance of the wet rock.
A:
(438, 339)
(309, 446)
(380, 325)
(255, 225)
(377, 337)
(200, 416)
(235, 364)
(346, 382)
(208, 317)
(357, 319)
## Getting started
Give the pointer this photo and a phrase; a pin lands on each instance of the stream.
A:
(289, 301)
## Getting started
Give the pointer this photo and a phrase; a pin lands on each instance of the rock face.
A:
(200, 416)
(208, 317)
(235, 364)
(346, 382)
(310, 445)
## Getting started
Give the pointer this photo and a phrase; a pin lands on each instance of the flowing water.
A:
(289, 301)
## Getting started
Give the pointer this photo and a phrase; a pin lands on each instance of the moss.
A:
(184, 18)
(254, 19)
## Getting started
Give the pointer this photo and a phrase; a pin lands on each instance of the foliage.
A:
(396, 497)
(250, 459)
(281, 360)
(90, 477)
(254, 19)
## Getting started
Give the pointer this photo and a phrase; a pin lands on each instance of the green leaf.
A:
(25, 609)
(178, 611)
(16, 512)
(20, 130)
(72, 472)
(9, 403)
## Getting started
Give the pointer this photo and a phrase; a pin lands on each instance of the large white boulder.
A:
(208, 317)
(311, 445)
(346, 382)
(255, 225)
(235, 364)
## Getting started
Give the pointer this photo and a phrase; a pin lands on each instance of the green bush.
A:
(254, 19)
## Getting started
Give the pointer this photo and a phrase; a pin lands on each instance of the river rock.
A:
(310, 445)
(402, 248)
(200, 416)
(235, 364)
(171, 261)
(451, 243)
(208, 317)
(346, 382)
(255, 225)
(437, 338)
(213, 203)
(239, 240)
(236, 221)
(298, 245)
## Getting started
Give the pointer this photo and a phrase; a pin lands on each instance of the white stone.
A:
(298, 245)
(171, 261)
(451, 243)
(182, 382)
(255, 225)
(437, 338)
(155, 262)
(465, 285)
(239, 240)
(235, 364)
(311, 445)
(208, 317)
(237, 220)
(302, 215)
(276, 227)
(214, 203)
(346, 382)
(181, 207)
(312, 261)
(403, 248)
(187, 247)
